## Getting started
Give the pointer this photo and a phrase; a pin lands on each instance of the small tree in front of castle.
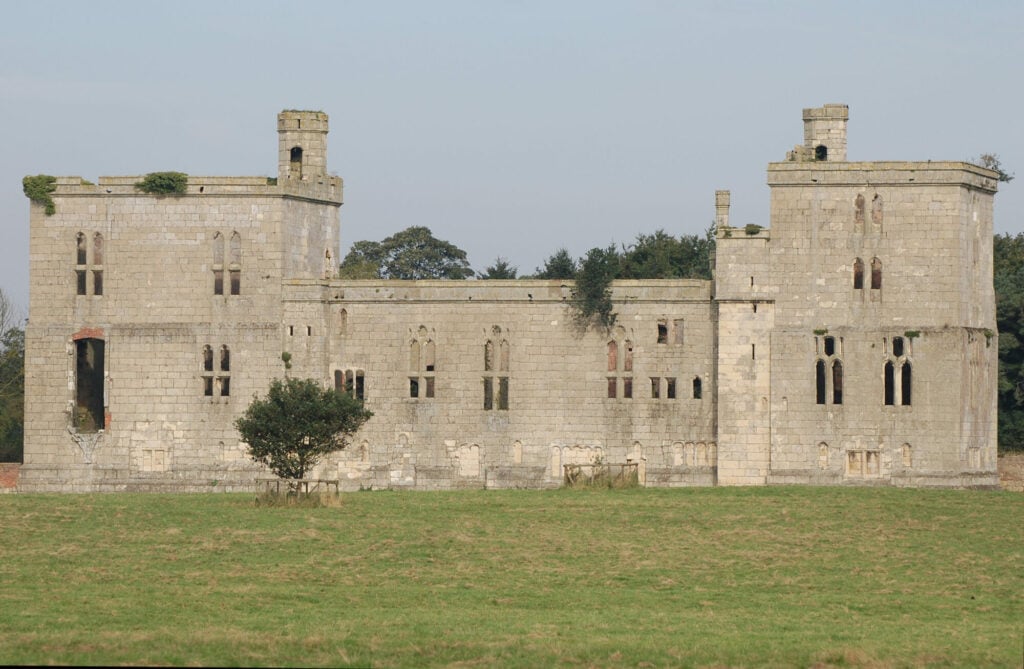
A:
(297, 424)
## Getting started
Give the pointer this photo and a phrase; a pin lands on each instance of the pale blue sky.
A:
(508, 128)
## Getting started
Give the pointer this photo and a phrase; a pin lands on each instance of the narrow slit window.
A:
(488, 393)
(414, 387)
(662, 332)
(97, 282)
(697, 390)
(876, 273)
(503, 393)
(858, 274)
(819, 381)
(890, 383)
(837, 382)
(670, 389)
(627, 388)
(905, 384)
(655, 388)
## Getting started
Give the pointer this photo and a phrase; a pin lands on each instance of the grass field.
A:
(783, 576)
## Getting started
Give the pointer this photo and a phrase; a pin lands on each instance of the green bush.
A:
(38, 189)
(163, 183)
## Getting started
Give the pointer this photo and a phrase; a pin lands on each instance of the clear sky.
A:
(508, 128)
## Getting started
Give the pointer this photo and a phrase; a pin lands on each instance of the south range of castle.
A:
(851, 341)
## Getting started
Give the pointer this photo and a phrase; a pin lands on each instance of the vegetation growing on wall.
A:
(38, 189)
(591, 301)
(163, 183)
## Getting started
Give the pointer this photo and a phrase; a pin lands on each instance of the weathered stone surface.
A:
(487, 384)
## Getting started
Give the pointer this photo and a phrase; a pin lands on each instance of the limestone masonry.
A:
(852, 342)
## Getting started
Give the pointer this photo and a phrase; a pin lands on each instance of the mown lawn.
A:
(784, 576)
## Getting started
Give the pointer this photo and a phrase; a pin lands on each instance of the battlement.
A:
(302, 145)
(918, 173)
(323, 189)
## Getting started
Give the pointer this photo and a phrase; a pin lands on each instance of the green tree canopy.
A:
(1008, 265)
(501, 269)
(592, 296)
(298, 423)
(662, 256)
(559, 266)
(12, 383)
(413, 253)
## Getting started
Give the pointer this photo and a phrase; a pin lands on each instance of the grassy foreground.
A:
(786, 576)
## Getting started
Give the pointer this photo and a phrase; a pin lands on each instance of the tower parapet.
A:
(824, 135)
(302, 145)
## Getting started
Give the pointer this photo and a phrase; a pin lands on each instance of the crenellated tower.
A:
(302, 145)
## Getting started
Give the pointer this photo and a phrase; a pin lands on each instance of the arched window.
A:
(503, 356)
(905, 381)
(218, 264)
(414, 356)
(489, 356)
(207, 359)
(858, 211)
(876, 274)
(430, 354)
(97, 249)
(858, 274)
(837, 382)
(80, 247)
(889, 373)
(627, 361)
(235, 268)
(821, 152)
(295, 160)
(613, 356)
(819, 381)
(225, 359)
(876, 209)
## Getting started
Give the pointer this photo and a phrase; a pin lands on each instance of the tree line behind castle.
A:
(415, 253)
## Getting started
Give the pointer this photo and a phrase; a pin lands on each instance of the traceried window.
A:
(89, 269)
(351, 382)
(828, 370)
(495, 379)
(216, 374)
(620, 369)
(897, 372)
(422, 366)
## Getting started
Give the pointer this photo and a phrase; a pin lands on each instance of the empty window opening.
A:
(905, 380)
(830, 346)
(488, 393)
(821, 152)
(662, 332)
(677, 331)
(837, 382)
(360, 385)
(876, 273)
(236, 282)
(655, 388)
(97, 282)
(612, 387)
(890, 383)
(627, 388)
(414, 387)
(858, 274)
(430, 355)
(819, 381)
(225, 385)
(488, 356)
(291, 330)
(208, 386)
(697, 389)
(225, 359)
(296, 161)
(81, 249)
(349, 381)
(309, 330)
(339, 381)
(897, 346)
(89, 361)
(207, 359)
(670, 388)
(503, 393)
(80, 281)
(218, 282)
(503, 356)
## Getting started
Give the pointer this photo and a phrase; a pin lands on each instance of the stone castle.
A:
(852, 341)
